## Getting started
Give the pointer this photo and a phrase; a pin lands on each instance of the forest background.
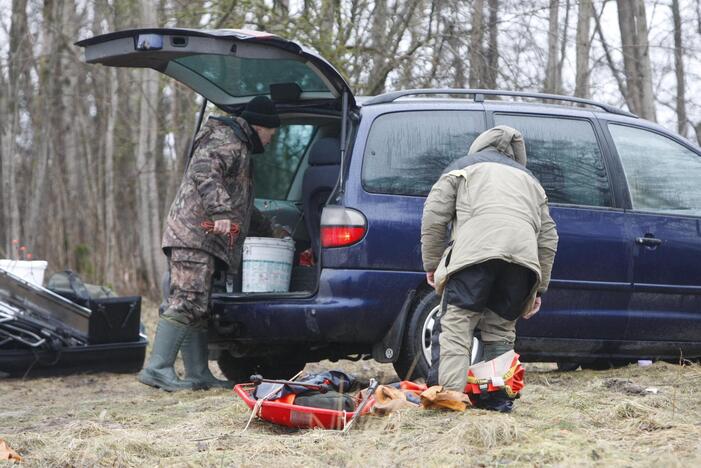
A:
(91, 157)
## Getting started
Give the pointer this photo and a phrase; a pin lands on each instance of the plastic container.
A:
(28, 270)
(267, 264)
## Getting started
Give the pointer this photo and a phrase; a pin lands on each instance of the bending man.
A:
(498, 264)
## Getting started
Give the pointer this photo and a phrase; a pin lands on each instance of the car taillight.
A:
(341, 227)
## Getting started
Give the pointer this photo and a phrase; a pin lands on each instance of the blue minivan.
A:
(349, 177)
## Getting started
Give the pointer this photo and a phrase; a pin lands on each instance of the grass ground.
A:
(575, 418)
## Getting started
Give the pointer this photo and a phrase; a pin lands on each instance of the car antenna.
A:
(197, 129)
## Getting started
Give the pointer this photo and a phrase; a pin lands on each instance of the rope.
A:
(259, 404)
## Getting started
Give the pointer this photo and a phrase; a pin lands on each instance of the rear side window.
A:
(565, 157)
(406, 152)
(662, 175)
(275, 169)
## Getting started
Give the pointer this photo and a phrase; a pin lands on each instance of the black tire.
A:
(411, 363)
(605, 364)
(240, 369)
(567, 366)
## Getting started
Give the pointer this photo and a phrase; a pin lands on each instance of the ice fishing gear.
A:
(257, 379)
(370, 393)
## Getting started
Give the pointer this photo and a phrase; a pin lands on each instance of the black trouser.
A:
(498, 285)
(488, 296)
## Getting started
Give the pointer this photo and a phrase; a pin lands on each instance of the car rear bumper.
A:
(351, 306)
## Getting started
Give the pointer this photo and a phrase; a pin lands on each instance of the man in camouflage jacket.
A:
(217, 192)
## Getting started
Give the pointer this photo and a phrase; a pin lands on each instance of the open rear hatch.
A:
(228, 67)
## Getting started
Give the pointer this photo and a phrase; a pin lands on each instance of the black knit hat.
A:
(261, 111)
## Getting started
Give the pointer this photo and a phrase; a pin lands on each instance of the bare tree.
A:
(682, 119)
(149, 216)
(18, 61)
(552, 70)
(636, 57)
(492, 55)
(583, 49)
(476, 50)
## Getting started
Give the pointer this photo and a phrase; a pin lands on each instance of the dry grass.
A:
(579, 418)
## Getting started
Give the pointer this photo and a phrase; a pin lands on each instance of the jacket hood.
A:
(506, 140)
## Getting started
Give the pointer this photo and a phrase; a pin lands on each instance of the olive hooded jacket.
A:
(497, 208)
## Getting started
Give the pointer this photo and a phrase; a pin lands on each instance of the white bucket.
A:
(267, 264)
(31, 271)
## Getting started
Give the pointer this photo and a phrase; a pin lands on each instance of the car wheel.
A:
(605, 364)
(240, 369)
(415, 356)
(567, 366)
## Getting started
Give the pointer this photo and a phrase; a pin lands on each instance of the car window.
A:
(275, 169)
(565, 157)
(662, 174)
(407, 151)
(251, 76)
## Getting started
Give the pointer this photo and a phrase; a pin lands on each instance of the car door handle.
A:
(648, 241)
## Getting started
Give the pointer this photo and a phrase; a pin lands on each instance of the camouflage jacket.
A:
(218, 184)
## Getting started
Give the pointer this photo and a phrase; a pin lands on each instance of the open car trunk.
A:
(294, 178)
(229, 68)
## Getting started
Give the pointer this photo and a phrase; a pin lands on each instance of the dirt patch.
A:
(576, 418)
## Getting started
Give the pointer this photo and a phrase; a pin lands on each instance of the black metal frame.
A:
(479, 95)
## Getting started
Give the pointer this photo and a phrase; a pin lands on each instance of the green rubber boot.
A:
(159, 372)
(196, 359)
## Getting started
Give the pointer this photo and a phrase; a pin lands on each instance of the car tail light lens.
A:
(341, 227)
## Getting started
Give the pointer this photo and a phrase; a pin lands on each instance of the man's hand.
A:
(280, 232)
(430, 279)
(222, 226)
(535, 309)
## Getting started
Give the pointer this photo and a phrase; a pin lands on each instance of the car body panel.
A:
(162, 49)
(351, 306)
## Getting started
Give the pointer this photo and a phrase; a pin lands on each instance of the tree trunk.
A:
(609, 59)
(583, 49)
(552, 78)
(111, 246)
(476, 50)
(18, 59)
(679, 70)
(492, 68)
(148, 217)
(455, 40)
(563, 44)
(378, 40)
(636, 57)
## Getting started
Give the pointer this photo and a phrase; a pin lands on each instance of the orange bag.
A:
(504, 372)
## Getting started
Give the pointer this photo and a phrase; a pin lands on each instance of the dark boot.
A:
(495, 349)
(159, 372)
(196, 359)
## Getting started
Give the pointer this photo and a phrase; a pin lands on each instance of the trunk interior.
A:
(294, 178)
